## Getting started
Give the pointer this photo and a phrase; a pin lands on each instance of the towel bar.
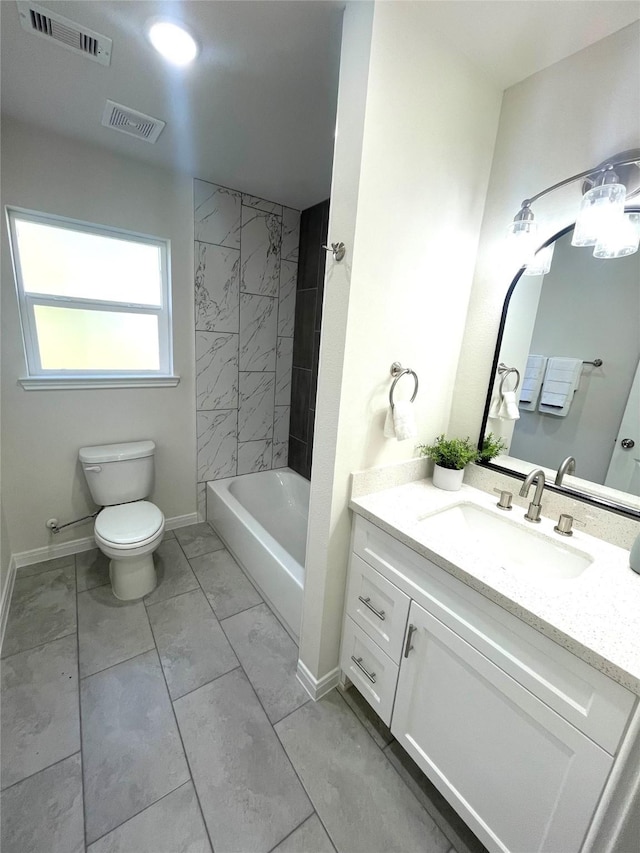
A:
(398, 371)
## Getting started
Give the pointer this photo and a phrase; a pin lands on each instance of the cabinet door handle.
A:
(367, 603)
(407, 645)
(370, 675)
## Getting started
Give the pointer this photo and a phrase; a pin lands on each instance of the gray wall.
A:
(246, 265)
(42, 430)
(588, 309)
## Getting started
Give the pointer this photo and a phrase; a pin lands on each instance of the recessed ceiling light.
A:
(173, 42)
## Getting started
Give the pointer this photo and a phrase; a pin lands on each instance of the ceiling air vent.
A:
(132, 122)
(35, 19)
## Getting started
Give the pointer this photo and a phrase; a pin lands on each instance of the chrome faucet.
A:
(535, 507)
(567, 467)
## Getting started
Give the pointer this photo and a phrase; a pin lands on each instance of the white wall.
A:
(328, 522)
(42, 430)
(416, 198)
(555, 123)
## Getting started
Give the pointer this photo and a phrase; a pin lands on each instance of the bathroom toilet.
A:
(128, 529)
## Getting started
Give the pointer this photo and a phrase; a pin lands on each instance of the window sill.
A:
(79, 383)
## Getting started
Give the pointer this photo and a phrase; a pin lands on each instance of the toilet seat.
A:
(129, 525)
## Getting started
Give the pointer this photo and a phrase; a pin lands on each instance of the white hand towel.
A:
(389, 431)
(494, 408)
(400, 422)
(509, 408)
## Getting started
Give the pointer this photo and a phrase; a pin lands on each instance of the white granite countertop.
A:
(595, 615)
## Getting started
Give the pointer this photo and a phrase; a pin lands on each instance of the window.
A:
(94, 303)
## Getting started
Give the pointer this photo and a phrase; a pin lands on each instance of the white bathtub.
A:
(262, 519)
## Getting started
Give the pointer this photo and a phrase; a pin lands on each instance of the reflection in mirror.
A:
(554, 327)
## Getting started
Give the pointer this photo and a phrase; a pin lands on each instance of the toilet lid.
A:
(128, 523)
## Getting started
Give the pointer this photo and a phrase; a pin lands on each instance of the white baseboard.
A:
(50, 552)
(181, 521)
(76, 546)
(317, 688)
(7, 592)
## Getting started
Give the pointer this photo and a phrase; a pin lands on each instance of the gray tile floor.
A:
(176, 725)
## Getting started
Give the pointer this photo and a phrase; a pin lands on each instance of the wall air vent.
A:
(41, 22)
(132, 122)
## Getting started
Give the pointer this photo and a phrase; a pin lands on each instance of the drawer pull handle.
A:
(367, 603)
(407, 645)
(370, 675)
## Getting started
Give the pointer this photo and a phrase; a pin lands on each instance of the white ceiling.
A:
(257, 110)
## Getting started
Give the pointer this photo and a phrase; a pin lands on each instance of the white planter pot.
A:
(447, 478)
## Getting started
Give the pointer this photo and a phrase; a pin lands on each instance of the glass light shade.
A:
(600, 208)
(540, 263)
(522, 237)
(621, 241)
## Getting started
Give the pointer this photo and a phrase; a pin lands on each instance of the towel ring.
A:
(505, 372)
(399, 371)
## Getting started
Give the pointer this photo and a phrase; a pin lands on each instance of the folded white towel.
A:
(532, 382)
(400, 421)
(561, 381)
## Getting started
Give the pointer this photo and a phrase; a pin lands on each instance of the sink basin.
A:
(509, 545)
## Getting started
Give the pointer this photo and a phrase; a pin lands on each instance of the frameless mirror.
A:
(588, 310)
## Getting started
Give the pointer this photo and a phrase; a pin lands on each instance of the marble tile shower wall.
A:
(246, 267)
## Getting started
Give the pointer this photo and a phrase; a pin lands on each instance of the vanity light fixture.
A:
(621, 241)
(601, 210)
(523, 230)
(540, 264)
(173, 42)
(601, 221)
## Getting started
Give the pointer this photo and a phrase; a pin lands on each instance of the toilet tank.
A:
(119, 473)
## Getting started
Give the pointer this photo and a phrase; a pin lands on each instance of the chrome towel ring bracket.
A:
(338, 250)
(505, 371)
(398, 371)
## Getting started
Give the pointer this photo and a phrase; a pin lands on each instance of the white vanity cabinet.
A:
(515, 731)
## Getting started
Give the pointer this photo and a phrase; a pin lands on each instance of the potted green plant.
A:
(492, 446)
(451, 456)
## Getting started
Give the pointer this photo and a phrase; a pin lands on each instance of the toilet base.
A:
(133, 578)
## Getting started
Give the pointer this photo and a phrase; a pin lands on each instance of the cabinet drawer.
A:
(377, 606)
(585, 697)
(379, 686)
